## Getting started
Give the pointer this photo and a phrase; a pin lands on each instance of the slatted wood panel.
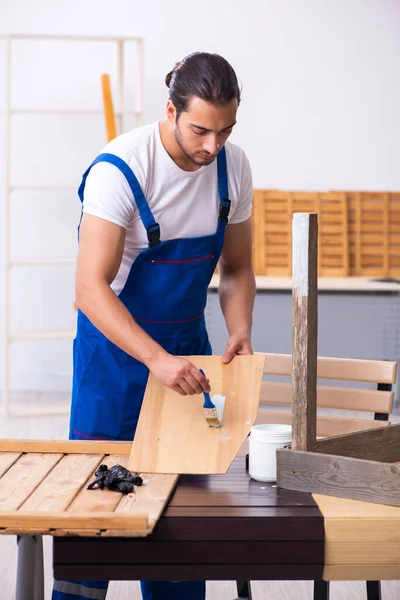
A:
(333, 239)
(368, 233)
(272, 237)
(272, 221)
(46, 492)
(394, 234)
(359, 232)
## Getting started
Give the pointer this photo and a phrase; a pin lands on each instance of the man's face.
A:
(203, 129)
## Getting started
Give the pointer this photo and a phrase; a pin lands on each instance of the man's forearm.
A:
(106, 311)
(237, 291)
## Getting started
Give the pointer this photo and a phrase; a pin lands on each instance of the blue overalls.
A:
(166, 293)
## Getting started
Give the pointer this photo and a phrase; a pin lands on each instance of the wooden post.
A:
(304, 330)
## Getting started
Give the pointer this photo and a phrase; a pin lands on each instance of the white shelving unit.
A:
(15, 336)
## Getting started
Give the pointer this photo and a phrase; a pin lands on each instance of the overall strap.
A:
(148, 220)
(225, 203)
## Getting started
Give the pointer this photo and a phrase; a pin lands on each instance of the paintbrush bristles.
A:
(214, 415)
(211, 417)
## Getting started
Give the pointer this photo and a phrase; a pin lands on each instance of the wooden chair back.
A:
(374, 404)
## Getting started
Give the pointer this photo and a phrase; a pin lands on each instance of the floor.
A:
(56, 427)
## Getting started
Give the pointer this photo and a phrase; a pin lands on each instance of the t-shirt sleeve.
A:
(107, 195)
(245, 200)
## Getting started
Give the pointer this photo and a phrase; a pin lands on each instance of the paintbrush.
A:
(213, 409)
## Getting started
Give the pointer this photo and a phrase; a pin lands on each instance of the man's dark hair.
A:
(207, 76)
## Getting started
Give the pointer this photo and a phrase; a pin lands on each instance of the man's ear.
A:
(171, 112)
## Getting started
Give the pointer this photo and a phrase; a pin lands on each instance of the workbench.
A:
(215, 527)
(230, 527)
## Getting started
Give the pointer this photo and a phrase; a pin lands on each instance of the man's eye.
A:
(227, 131)
(199, 132)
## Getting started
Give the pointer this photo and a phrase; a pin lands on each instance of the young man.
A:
(160, 207)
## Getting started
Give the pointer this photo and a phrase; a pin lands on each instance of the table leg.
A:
(321, 590)
(374, 590)
(244, 590)
(30, 575)
(39, 569)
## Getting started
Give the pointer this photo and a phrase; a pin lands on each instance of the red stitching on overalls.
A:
(188, 260)
(179, 321)
(89, 437)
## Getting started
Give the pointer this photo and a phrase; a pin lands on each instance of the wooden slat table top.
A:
(43, 490)
(234, 489)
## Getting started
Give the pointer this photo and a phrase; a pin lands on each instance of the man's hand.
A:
(179, 374)
(236, 345)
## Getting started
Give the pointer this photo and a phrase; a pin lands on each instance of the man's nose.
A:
(211, 145)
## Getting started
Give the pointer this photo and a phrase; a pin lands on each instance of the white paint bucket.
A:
(263, 443)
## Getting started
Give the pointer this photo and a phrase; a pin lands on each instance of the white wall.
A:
(321, 97)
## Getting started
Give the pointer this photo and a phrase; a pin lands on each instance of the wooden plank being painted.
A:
(172, 435)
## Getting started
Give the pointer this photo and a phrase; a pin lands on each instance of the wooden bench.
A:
(376, 403)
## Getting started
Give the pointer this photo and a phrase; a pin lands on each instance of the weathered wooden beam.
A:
(304, 330)
(340, 476)
(378, 444)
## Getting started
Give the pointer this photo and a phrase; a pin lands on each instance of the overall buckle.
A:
(153, 234)
(225, 207)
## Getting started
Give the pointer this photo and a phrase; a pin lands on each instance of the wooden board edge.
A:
(153, 522)
(66, 446)
(361, 572)
(20, 521)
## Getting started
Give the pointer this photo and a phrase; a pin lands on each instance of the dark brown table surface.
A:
(218, 527)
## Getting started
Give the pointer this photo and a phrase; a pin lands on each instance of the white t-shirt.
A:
(184, 203)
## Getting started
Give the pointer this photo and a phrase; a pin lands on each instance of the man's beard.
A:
(192, 156)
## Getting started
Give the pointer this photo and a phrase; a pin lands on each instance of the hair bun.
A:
(168, 79)
(169, 76)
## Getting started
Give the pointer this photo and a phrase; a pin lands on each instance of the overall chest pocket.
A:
(174, 289)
